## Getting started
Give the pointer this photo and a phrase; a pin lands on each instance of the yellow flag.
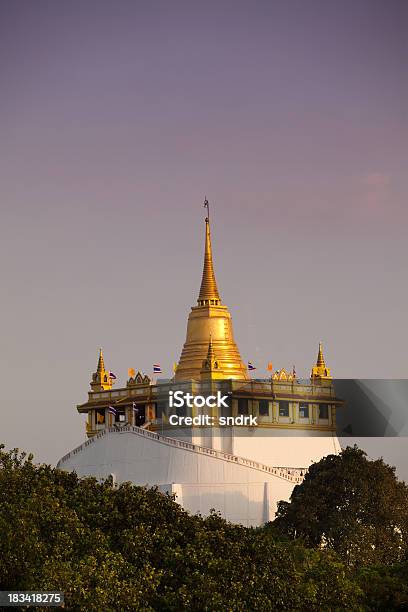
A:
(270, 368)
(175, 366)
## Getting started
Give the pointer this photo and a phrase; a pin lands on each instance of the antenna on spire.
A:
(207, 206)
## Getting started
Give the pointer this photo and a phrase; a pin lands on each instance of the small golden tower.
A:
(211, 369)
(101, 380)
(320, 371)
(209, 317)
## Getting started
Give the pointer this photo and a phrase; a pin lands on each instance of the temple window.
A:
(283, 409)
(242, 406)
(120, 416)
(100, 416)
(323, 411)
(303, 411)
(263, 407)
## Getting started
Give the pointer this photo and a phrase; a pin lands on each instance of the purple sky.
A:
(116, 118)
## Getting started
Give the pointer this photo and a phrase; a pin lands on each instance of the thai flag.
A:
(112, 375)
(157, 368)
(251, 366)
(112, 410)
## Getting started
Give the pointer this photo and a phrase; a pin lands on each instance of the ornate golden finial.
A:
(210, 352)
(101, 363)
(320, 359)
(101, 379)
(211, 366)
(209, 295)
(320, 370)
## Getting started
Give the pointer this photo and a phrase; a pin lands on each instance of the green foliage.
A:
(351, 505)
(385, 588)
(133, 548)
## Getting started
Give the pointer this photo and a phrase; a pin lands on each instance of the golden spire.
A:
(320, 359)
(211, 367)
(320, 370)
(210, 350)
(101, 363)
(208, 291)
(101, 379)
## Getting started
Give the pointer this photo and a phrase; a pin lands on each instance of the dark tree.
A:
(132, 548)
(351, 505)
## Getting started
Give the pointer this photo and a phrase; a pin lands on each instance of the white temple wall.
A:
(240, 493)
(271, 446)
(249, 504)
(285, 448)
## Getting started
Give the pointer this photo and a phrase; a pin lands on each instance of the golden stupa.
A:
(210, 321)
(320, 370)
(210, 362)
